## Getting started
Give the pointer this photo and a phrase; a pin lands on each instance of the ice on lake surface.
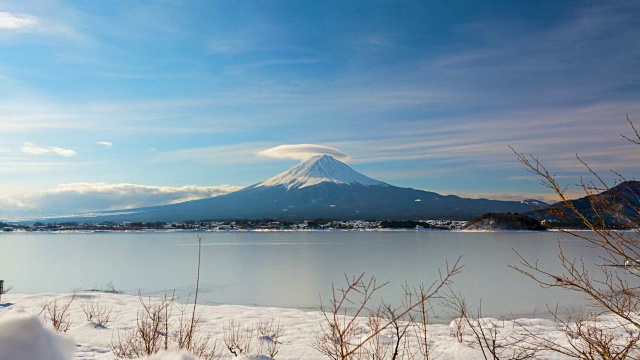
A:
(289, 269)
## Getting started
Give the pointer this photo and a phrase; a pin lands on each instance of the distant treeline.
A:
(402, 224)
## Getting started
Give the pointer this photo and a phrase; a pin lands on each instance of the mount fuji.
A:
(317, 170)
(320, 187)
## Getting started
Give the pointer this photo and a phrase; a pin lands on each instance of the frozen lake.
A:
(287, 269)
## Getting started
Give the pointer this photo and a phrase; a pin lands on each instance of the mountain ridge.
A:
(319, 187)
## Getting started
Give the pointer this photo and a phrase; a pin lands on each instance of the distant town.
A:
(238, 225)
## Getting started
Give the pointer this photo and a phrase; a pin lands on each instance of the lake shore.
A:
(299, 328)
(288, 269)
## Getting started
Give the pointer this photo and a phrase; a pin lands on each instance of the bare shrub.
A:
(157, 329)
(126, 344)
(495, 345)
(611, 285)
(457, 327)
(398, 329)
(339, 330)
(378, 347)
(57, 312)
(152, 323)
(487, 332)
(182, 329)
(237, 339)
(342, 336)
(97, 313)
(270, 328)
(188, 325)
(420, 320)
(189, 335)
(458, 310)
(268, 346)
(150, 334)
(206, 348)
(594, 339)
(590, 337)
(269, 332)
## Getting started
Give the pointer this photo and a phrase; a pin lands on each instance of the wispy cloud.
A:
(11, 21)
(107, 144)
(234, 105)
(30, 148)
(378, 39)
(223, 154)
(554, 135)
(29, 168)
(240, 68)
(549, 66)
(62, 151)
(85, 197)
(303, 152)
(42, 23)
(251, 33)
(228, 45)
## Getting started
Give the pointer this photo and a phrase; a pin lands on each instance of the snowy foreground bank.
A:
(23, 337)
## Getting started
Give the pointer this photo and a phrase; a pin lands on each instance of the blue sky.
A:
(110, 104)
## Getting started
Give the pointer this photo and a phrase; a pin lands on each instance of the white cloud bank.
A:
(303, 152)
(10, 21)
(31, 148)
(87, 197)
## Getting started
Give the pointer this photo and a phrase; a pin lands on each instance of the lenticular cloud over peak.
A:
(303, 152)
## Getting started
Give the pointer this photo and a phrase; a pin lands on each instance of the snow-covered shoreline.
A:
(276, 231)
(254, 230)
(299, 327)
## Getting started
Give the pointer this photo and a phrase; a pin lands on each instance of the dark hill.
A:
(617, 207)
(504, 222)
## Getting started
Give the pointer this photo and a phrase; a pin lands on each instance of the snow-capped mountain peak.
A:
(319, 169)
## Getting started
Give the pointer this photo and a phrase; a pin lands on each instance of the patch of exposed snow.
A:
(172, 356)
(532, 202)
(25, 338)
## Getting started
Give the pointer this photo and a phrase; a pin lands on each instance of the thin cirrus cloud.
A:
(223, 154)
(87, 197)
(31, 148)
(553, 135)
(303, 152)
(10, 21)
(227, 46)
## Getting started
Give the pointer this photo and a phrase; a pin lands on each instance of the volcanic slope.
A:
(321, 188)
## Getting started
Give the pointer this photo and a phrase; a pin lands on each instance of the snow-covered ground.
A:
(22, 336)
